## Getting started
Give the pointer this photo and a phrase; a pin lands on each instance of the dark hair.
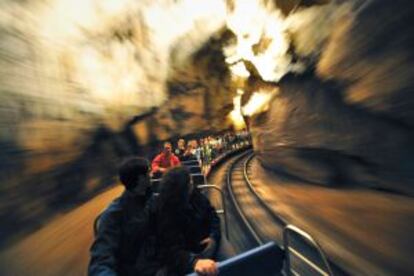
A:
(130, 170)
(175, 186)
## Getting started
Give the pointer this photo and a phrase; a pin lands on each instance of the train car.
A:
(298, 253)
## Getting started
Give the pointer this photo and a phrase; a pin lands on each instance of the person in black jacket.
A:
(180, 150)
(184, 229)
(121, 225)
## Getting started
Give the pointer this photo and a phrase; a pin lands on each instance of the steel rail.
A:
(259, 198)
(287, 227)
(246, 222)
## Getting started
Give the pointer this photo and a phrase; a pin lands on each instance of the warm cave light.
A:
(258, 103)
(115, 53)
(261, 39)
(235, 115)
(239, 70)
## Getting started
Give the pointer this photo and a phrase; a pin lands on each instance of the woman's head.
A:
(194, 143)
(181, 143)
(176, 187)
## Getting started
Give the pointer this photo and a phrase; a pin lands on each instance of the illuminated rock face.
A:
(311, 133)
(70, 90)
(351, 122)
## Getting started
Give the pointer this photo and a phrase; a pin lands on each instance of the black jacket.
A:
(119, 237)
(173, 241)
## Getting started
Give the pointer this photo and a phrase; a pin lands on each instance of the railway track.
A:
(262, 224)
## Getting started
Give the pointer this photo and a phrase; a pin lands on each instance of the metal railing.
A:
(289, 249)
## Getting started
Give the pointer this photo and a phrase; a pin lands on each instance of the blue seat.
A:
(194, 168)
(265, 260)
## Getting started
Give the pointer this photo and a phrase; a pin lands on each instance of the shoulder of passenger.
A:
(114, 208)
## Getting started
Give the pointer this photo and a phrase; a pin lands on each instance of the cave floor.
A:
(61, 247)
(366, 232)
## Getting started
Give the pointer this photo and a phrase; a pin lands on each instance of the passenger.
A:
(166, 159)
(121, 225)
(202, 152)
(207, 152)
(196, 150)
(189, 153)
(180, 150)
(185, 228)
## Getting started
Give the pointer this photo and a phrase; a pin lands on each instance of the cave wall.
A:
(64, 129)
(350, 121)
(311, 133)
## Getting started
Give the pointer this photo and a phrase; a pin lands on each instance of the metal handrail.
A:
(197, 174)
(223, 204)
(306, 236)
(190, 165)
(190, 162)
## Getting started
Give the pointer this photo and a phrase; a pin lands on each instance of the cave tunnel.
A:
(321, 86)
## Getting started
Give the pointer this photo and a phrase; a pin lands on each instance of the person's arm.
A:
(175, 160)
(155, 165)
(105, 248)
(211, 243)
(181, 261)
(215, 229)
(206, 267)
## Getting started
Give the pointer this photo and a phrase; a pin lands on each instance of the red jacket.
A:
(161, 161)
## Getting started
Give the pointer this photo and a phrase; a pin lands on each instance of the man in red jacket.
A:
(166, 159)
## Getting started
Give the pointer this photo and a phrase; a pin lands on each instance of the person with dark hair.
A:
(185, 229)
(166, 159)
(180, 150)
(121, 225)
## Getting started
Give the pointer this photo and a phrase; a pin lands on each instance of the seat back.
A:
(199, 179)
(304, 256)
(192, 162)
(266, 260)
(194, 169)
